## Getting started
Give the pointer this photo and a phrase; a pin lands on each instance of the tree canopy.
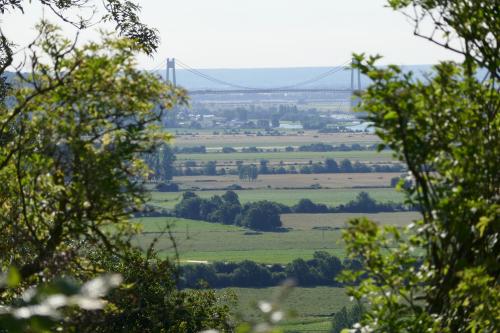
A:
(442, 274)
(73, 132)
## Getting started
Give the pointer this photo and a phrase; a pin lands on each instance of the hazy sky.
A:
(267, 33)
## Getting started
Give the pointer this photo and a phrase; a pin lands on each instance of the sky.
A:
(264, 33)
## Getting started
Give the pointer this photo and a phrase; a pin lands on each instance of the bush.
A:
(167, 187)
(234, 187)
(189, 208)
(307, 206)
(228, 150)
(221, 209)
(319, 147)
(346, 318)
(366, 204)
(300, 271)
(191, 150)
(251, 274)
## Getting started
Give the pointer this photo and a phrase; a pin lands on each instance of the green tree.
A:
(263, 168)
(346, 318)
(261, 215)
(248, 172)
(66, 169)
(328, 266)
(124, 14)
(167, 162)
(161, 162)
(210, 168)
(231, 197)
(331, 165)
(346, 166)
(300, 271)
(250, 274)
(71, 174)
(150, 300)
(442, 276)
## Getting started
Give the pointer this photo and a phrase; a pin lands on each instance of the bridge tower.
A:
(355, 74)
(171, 67)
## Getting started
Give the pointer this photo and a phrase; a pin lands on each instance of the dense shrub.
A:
(251, 150)
(191, 150)
(167, 187)
(307, 206)
(221, 209)
(316, 147)
(261, 215)
(227, 150)
(366, 204)
(346, 318)
(251, 274)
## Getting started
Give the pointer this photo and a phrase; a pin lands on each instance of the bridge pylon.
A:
(171, 68)
(355, 74)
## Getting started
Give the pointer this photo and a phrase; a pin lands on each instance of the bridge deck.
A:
(267, 91)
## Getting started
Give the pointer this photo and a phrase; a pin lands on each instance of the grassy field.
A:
(313, 307)
(198, 241)
(238, 245)
(292, 138)
(361, 155)
(332, 197)
(326, 180)
(308, 221)
(204, 241)
(158, 224)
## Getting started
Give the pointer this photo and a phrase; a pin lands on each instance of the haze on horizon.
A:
(264, 33)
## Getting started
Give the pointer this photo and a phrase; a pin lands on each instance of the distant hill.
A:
(275, 77)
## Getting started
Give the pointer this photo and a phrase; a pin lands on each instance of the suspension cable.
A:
(306, 82)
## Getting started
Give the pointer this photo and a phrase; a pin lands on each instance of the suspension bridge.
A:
(306, 86)
(312, 88)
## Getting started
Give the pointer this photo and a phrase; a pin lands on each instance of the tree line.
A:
(227, 209)
(161, 163)
(265, 215)
(313, 147)
(322, 270)
(329, 165)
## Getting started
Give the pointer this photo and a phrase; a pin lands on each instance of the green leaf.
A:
(13, 277)
(391, 115)
(483, 223)
(244, 328)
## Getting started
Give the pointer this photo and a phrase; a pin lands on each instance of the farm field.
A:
(314, 307)
(292, 138)
(338, 220)
(208, 242)
(239, 244)
(158, 224)
(326, 180)
(332, 197)
(199, 242)
(290, 157)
